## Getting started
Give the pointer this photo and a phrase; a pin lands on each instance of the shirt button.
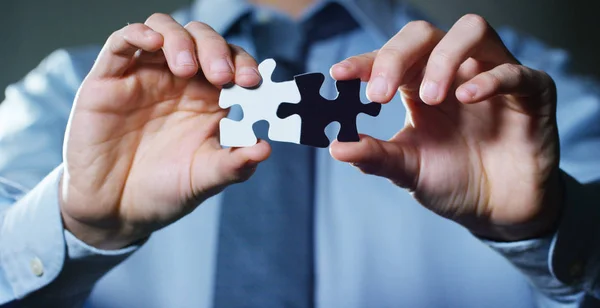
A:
(36, 266)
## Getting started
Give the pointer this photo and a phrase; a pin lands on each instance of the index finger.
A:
(178, 47)
(120, 48)
(388, 68)
(471, 36)
(213, 52)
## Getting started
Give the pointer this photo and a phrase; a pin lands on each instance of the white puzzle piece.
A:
(260, 104)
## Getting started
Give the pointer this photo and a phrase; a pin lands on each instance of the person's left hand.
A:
(480, 145)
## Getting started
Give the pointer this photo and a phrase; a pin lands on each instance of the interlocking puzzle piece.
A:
(260, 104)
(318, 112)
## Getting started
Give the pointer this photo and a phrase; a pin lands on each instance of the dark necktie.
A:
(265, 252)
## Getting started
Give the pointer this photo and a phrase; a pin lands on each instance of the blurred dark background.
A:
(30, 29)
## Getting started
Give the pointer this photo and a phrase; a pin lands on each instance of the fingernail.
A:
(149, 33)
(220, 66)
(378, 87)
(430, 91)
(247, 71)
(185, 58)
(344, 65)
(467, 91)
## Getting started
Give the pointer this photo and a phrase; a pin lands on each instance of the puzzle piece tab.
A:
(318, 112)
(260, 104)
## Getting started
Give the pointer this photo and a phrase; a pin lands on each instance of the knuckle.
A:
(390, 53)
(544, 82)
(240, 52)
(441, 58)
(420, 26)
(114, 45)
(378, 164)
(392, 57)
(360, 58)
(514, 69)
(426, 31)
(133, 28)
(547, 80)
(117, 39)
(157, 17)
(214, 40)
(516, 72)
(209, 53)
(196, 25)
(475, 23)
(183, 38)
(493, 79)
(430, 36)
(215, 37)
(118, 35)
(548, 86)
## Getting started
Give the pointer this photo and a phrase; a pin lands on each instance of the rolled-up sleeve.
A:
(41, 264)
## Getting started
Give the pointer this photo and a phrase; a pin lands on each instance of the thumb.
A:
(228, 166)
(394, 160)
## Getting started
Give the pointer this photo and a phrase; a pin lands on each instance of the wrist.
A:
(538, 228)
(97, 237)
(544, 222)
(105, 235)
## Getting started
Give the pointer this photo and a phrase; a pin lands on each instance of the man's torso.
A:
(374, 245)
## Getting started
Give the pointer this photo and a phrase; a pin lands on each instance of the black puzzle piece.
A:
(318, 112)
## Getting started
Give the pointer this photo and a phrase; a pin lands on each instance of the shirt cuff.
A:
(36, 251)
(84, 267)
(563, 264)
(531, 258)
(32, 250)
(574, 257)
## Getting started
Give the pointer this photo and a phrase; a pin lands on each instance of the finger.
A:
(397, 57)
(354, 67)
(213, 52)
(157, 57)
(471, 36)
(399, 163)
(178, 47)
(236, 165)
(121, 47)
(246, 68)
(513, 79)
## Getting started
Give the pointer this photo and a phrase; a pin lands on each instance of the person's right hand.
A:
(142, 147)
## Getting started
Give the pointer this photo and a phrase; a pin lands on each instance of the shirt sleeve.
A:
(40, 261)
(563, 267)
(41, 264)
(533, 258)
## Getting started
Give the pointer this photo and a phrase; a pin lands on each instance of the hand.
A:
(480, 145)
(142, 147)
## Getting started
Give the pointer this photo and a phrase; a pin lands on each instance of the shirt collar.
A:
(375, 16)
